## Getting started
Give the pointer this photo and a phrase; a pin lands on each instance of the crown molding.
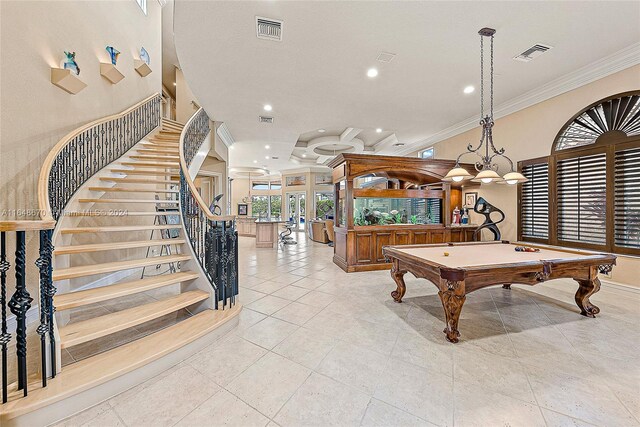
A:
(601, 68)
(225, 135)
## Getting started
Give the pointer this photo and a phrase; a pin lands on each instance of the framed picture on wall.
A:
(293, 181)
(242, 209)
(470, 199)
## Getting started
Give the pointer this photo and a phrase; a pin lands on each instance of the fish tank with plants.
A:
(396, 211)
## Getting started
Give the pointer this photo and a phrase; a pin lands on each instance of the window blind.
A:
(582, 199)
(534, 201)
(627, 198)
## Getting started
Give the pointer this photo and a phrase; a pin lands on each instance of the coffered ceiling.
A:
(316, 76)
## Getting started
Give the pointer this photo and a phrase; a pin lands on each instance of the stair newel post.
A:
(19, 304)
(46, 303)
(5, 336)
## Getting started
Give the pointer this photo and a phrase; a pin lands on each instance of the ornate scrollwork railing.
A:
(86, 150)
(213, 238)
(20, 301)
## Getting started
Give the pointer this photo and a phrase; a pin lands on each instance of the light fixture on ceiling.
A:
(267, 147)
(487, 169)
(255, 161)
(266, 157)
(231, 147)
(267, 107)
(175, 84)
(378, 130)
(321, 130)
(304, 155)
(469, 89)
(372, 72)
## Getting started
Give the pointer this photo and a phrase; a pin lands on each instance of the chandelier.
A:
(486, 167)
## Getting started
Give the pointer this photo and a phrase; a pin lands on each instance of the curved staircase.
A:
(131, 299)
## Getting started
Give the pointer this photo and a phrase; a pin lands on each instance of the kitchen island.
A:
(267, 230)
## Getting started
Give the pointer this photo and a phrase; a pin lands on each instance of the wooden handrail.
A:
(192, 186)
(27, 225)
(45, 171)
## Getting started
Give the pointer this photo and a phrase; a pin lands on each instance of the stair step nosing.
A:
(112, 246)
(108, 267)
(104, 293)
(70, 335)
(115, 228)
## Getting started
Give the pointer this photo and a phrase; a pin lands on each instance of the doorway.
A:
(296, 209)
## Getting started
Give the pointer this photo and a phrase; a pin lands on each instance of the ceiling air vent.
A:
(386, 57)
(268, 29)
(532, 53)
(265, 119)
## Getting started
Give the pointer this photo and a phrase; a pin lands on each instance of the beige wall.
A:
(184, 99)
(529, 133)
(35, 114)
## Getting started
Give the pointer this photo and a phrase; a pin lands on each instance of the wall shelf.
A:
(110, 72)
(66, 80)
(142, 67)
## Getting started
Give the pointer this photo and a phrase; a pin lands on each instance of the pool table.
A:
(467, 267)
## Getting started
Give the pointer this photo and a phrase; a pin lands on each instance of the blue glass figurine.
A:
(144, 56)
(113, 52)
(70, 63)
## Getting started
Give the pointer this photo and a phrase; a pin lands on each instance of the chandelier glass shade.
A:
(486, 166)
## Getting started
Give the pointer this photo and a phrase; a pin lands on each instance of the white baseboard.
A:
(618, 285)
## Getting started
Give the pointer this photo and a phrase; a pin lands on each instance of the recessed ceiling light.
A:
(469, 89)
(378, 130)
(321, 130)
(267, 107)
(231, 147)
(267, 147)
(266, 157)
(304, 155)
(175, 84)
(255, 161)
(372, 72)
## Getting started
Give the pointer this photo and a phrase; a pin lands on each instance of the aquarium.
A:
(384, 211)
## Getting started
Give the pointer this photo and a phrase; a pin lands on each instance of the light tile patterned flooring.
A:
(318, 347)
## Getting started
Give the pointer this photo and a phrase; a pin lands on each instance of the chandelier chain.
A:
(491, 74)
(481, 78)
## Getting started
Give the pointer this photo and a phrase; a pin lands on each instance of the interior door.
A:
(296, 209)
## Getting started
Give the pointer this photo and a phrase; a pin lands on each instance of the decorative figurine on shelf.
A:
(144, 56)
(464, 220)
(113, 53)
(456, 216)
(485, 208)
(69, 63)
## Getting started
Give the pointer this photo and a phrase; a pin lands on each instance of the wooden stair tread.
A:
(118, 214)
(151, 172)
(126, 201)
(152, 164)
(103, 367)
(90, 329)
(104, 293)
(112, 246)
(132, 190)
(108, 267)
(140, 180)
(162, 145)
(114, 228)
(158, 150)
(155, 157)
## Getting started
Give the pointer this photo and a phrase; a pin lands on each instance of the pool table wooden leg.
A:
(452, 295)
(587, 288)
(398, 277)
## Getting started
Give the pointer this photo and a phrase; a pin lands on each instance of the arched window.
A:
(586, 194)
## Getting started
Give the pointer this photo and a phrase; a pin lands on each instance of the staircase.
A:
(116, 326)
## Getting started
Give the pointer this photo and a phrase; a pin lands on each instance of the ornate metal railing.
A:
(20, 301)
(86, 150)
(213, 238)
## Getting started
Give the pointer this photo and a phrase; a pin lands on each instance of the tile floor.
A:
(318, 347)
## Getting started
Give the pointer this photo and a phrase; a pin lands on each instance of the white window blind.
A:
(534, 201)
(627, 198)
(582, 199)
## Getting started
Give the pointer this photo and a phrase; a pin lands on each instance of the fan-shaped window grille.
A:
(617, 115)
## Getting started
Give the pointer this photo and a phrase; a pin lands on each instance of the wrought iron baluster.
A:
(5, 336)
(19, 304)
(44, 265)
